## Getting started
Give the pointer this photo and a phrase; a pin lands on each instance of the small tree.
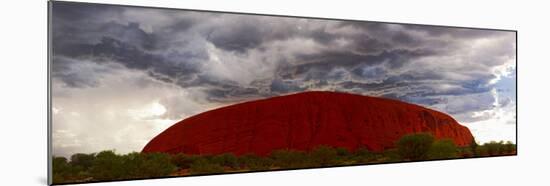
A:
(482, 151)
(107, 166)
(442, 149)
(414, 146)
(494, 148)
(59, 164)
(60, 169)
(85, 161)
(143, 165)
(473, 146)
(509, 147)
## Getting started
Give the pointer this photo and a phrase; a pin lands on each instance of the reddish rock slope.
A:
(304, 121)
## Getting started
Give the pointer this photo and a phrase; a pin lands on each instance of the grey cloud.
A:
(237, 38)
(362, 66)
(280, 87)
(462, 33)
(79, 74)
(110, 49)
(421, 64)
(77, 12)
(232, 94)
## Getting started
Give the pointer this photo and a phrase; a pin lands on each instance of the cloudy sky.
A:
(121, 75)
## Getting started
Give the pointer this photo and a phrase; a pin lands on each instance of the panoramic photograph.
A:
(140, 93)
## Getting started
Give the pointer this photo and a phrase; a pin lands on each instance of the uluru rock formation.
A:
(304, 121)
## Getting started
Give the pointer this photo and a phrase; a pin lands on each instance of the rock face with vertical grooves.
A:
(304, 121)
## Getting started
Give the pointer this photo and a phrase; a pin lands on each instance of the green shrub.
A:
(85, 161)
(363, 155)
(473, 146)
(289, 158)
(443, 149)
(499, 148)
(344, 156)
(323, 156)
(414, 146)
(65, 171)
(465, 152)
(59, 164)
(107, 166)
(183, 161)
(342, 152)
(390, 155)
(253, 162)
(509, 147)
(227, 160)
(139, 165)
(203, 165)
(494, 148)
(60, 169)
(131, 164)
(482, 151)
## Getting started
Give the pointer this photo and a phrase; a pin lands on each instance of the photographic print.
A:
(141, 92)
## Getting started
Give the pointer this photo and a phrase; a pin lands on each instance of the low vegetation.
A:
(107, 165)
(415, 146)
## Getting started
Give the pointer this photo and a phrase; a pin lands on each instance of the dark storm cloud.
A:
(170, 68)
(82, 34)
(78, 78)
(238, 38)
(238, 57)
(240, 33)
(130, 33)
(329, 59)
(463, 33)
(76, 12)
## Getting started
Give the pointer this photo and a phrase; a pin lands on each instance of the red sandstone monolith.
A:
(304, 121)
